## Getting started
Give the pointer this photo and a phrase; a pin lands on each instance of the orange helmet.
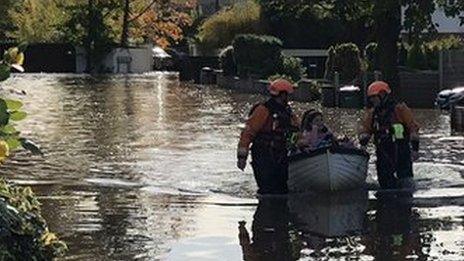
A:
(377, 87)
(281, 85)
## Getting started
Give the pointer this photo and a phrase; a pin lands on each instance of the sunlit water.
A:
(143, 167)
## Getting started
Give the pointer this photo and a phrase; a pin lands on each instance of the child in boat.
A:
(314, 133)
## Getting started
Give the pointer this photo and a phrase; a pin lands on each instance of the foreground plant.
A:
(24, 234)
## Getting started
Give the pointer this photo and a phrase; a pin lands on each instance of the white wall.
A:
(141, 60)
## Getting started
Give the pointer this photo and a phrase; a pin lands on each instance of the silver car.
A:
(450, 97)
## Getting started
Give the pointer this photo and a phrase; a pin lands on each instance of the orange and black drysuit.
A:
(267, 129)
(394, 130)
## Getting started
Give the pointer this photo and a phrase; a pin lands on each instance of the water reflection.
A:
(129, 159)
(270, 232)
(329, 215)
(393, 232)
(342, 225)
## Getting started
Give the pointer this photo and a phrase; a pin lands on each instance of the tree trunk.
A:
(217, 6)
(125, 25)
(387, 22)
(90, 37)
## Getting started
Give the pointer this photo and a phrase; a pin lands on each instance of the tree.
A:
(159, 21)
(387, 25)
(125, 23)
(36, 21)
(6, 25)
(318, 23)
(417, 21)
(219, 30)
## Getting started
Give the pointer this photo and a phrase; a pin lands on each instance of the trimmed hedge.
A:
(426, 56)
(345, 59)
(291, 67)
(219, 30)
(257, 54)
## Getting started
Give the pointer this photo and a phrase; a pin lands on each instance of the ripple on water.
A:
(135, 163)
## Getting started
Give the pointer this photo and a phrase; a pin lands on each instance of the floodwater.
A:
(143, 168)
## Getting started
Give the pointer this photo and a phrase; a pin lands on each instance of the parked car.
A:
(450, 97)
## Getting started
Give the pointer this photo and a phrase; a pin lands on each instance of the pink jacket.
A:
(314, 139)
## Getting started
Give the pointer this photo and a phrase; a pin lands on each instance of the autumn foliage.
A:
(164, 27)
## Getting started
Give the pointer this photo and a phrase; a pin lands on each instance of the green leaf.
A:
(13, 143)
(4, 72)
(4, 114)
(13, 105)
(18, 115)
(9, 129)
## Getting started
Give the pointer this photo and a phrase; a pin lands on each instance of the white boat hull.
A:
(328, 170)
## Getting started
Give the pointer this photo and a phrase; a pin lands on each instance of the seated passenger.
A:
(314, 134)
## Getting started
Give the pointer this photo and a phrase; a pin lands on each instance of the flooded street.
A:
(143, 168)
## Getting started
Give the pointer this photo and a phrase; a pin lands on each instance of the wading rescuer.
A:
(395, 137)
(267, 129)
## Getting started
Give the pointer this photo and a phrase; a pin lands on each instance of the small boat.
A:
(328, 169)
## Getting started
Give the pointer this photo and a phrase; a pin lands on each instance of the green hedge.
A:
(291, 67)
(219, 30)
(345, 59)
(257, 54)
(426, 56)
(417, 58)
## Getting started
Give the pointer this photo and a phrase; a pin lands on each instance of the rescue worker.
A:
(395, 136)
(267, 130)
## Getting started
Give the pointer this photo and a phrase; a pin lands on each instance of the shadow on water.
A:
(336, 226)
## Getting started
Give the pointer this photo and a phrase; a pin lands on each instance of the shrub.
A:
(313, 86)
(227, 61)
(345, 59)
(291, 67)
(219, 30)
(416, 58)
(448, 43)
(257, 54)
(433, 48)
(426, 56)
(280, 76)
(24, 233)
(371, 56)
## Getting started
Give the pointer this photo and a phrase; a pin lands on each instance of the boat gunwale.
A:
(334, 150)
